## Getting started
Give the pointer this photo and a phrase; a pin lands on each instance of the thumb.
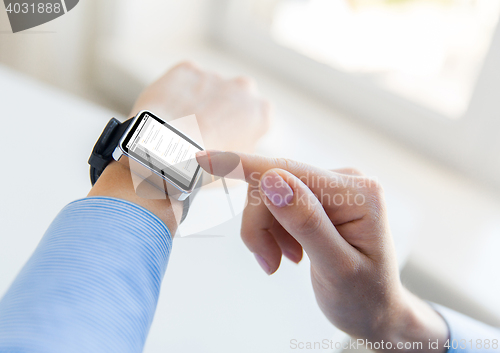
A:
(301, 214)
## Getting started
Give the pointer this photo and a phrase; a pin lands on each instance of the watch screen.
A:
(163, 149)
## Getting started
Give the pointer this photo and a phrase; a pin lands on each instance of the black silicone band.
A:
(102, 154)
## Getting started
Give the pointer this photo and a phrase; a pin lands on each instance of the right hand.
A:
(339, 218)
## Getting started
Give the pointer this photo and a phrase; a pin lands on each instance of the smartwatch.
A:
(158, 152)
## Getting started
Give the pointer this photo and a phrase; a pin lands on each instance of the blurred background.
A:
(405, 90)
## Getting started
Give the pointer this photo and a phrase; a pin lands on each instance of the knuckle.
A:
(214, 76)
(253, 198)
(248, 238)
(375, 198)
(246, 234)
(265, 118)
(372, 187)
(354, 171)
(287, 164)
(188, 65)
(295, 168)
(311, 223)
(348, 171)
(245, 82)
(353, 270)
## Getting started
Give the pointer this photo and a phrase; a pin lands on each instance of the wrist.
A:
(412, 326)
(116, 181)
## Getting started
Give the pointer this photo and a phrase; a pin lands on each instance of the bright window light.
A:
(429, 51)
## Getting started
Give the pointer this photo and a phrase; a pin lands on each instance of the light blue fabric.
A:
(92, 284)
(463, 329)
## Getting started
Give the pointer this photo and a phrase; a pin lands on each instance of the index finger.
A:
(224, 164)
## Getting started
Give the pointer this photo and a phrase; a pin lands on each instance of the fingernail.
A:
(200, 154)
(263, 264)
(221, 163)
(204, 158)
(291, 256)
(276, 189)
(208, 153)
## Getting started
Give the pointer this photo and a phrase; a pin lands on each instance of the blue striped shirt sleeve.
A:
(468, 335)
(91, 285)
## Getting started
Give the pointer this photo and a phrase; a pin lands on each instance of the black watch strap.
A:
(102, 154)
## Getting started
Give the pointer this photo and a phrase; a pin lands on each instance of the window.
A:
(424, 71)
(427, 51)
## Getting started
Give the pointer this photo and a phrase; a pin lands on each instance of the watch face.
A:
(163, 149)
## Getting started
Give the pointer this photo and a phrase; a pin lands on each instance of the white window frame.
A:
(470, 143)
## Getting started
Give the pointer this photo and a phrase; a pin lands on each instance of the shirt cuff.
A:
(468, 335)
(92, 284)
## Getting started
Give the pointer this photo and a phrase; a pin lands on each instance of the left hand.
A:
(230, 112)
(116, 181)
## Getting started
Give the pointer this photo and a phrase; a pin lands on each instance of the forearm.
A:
(116, 181)
(92, 284)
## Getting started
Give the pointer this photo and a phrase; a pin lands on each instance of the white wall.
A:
(62, 51)
(168, 23)
(55, 52)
